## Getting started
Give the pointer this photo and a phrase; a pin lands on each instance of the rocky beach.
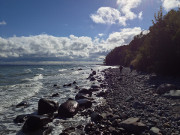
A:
(131, 103)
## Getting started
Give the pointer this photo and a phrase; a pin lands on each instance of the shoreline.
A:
(133, 106)
(129, 105)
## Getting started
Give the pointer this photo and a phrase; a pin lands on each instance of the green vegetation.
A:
(158, 51)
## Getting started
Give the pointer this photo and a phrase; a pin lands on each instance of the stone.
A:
(46, 106)
(164, 88)
(35, 122)
(94, 72)
(101, 94)
(129, 98)
(68, 109)
(155, 131)
(21, 118)
(138, 105)
(96, 117)
(133, 125)
(86, 91)
(84, 103)
(74, 82)
(22, 104)
(82, 96)
(55, 95)
(67, 85)
(92, 79)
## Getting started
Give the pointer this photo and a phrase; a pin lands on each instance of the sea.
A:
(29, 83)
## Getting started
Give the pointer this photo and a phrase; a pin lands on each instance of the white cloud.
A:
(108, 15)
(3, 23)
(123, 37)
(127, 5)
(63, 48)
(100, 34)
(140, 15)
(170, 4)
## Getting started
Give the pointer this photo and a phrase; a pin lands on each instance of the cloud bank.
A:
(72, 48)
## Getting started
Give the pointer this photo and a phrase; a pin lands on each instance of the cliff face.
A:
(158, 51)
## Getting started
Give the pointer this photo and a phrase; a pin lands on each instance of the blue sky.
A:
(72, 29)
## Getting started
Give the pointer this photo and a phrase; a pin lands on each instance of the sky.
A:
(72, 30)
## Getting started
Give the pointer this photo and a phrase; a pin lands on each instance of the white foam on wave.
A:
(28, 70)
(38, 77)
(60, 70)
(40, 68)
(13, 94)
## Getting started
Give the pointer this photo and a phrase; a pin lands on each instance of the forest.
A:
(156, 52)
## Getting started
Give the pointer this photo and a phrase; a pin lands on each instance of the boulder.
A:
(133, 125)
(46, 106)
(35, 122)
(84, 103)
(165, 88)
(68, 109)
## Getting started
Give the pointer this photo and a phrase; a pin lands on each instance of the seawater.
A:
(31, 82)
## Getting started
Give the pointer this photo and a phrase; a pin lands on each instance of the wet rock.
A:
(76, 87)
(86, 91)
(74, 82)
(46, 106)
(55, 85)
(82, 96)
(68, 109)
(94, 86)
(84, 103)
(22, 104)
(94, 72)
(69, 130)
(35, 122)
(129, 98)
(165, 88)
(55, 95)
(138, 105)
(80, 69)
(67, 85)
(21, 118)
(96, 117)
(101, 94)
(92, 79)
(133, 125)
